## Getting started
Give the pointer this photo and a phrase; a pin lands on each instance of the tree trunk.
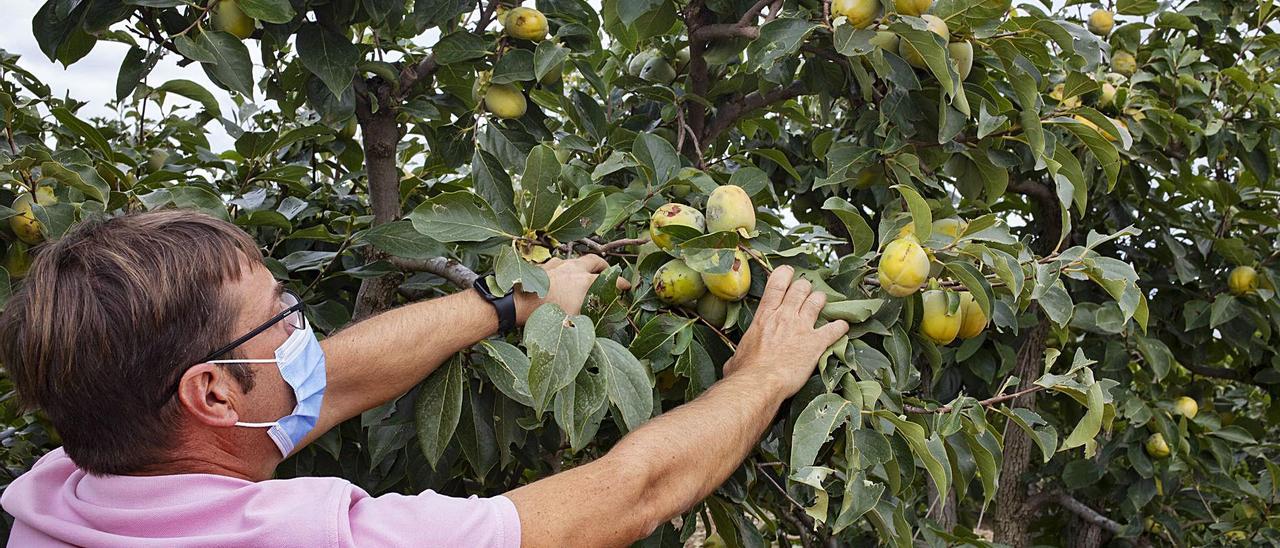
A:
(1011, 518)
(381, 138)
(1082, 534)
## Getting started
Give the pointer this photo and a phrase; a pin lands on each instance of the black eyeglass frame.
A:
(295, 309)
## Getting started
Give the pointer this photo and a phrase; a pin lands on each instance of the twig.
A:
(457, 273)
(989, 402)
(601, 248)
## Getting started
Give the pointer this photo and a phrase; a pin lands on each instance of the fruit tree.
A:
(1053, 230)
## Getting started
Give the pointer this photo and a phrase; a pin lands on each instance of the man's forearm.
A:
(689, 451)
(654, 473)
(384, 356)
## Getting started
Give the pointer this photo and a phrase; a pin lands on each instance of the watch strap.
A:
(504, 305)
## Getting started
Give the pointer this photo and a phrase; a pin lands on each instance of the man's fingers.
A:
(775, 289)
(796, 295)
(623, 284)
(591, 263)
(832, 332)
(813, 306)
(552, 263)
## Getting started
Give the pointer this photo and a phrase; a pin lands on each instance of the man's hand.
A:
(570, 281)
(782, 341)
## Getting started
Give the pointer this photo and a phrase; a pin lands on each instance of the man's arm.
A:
(678, 458)
(384, 356)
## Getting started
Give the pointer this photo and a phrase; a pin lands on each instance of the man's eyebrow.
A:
(279, 289)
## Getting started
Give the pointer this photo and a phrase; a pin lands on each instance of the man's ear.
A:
(205, 392)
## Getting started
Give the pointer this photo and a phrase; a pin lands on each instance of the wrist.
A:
(526, 303)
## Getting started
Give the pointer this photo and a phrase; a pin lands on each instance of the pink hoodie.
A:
(57, 504)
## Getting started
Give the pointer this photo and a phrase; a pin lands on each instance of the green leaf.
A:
(860, 496)
(458, 216)
(328, 55)
(231, 67)
(779, 39)
(814, 426)
(83, 129)
(1087, 429)
(476, 432)
(580, 407)
(631, 10)
(988, 456)
(515, 66)
(853, 311)
(658, 155)
(558, 348)
(492, 182)
(920, 214)
(579, 220)
(548, 57)
(928, 451)
(460, 46)
(932, 49)
(538, 187)
(658, 335)
(508, 368)
(510, 270)
(1103, 150)
(81, 177)
(629, 386)
(195, 92)
(270, 11)
(132, 71)
(975, 282)
(1136, 7)
(438, 409)
(862, 237)
(1235, 434)
(962, 15)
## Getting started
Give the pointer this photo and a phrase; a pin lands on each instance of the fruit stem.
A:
(764, 263)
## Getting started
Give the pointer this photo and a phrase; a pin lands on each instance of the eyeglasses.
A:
(291, 314)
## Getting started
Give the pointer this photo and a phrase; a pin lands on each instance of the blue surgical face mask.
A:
(301, 363)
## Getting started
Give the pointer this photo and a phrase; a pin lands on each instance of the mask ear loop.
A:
(250, 424)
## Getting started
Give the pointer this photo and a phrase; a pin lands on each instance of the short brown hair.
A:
(107, 318)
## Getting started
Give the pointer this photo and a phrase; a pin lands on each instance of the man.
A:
(179, 375)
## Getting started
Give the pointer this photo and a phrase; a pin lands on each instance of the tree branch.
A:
(989, 402)
(457, 273)
(727, 30)
(735, 110)
(754, 12)
(1082, 510)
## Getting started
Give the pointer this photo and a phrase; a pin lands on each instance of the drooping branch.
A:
(457, 273)
(1089, 515)
(730, 113)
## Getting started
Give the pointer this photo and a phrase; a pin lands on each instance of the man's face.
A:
(259, 299)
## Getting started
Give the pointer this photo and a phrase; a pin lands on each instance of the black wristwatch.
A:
(504, 305)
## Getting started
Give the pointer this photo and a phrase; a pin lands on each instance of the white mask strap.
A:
(242, 361)
(257, 424)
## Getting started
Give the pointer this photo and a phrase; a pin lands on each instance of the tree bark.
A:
(1012, 517)
(381, 139)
